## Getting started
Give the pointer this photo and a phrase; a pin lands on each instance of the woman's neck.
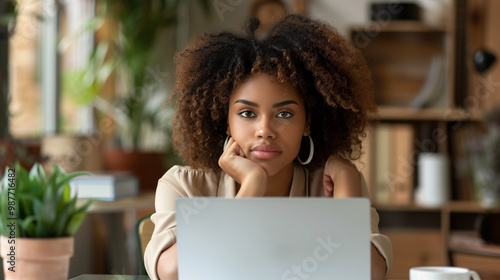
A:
(280, 183)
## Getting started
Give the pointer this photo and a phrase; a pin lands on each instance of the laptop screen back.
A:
(273, 238)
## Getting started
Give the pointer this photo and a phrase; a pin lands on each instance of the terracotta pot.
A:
(147, 166)
(36, 258)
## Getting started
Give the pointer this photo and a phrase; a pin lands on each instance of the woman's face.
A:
(267, 120)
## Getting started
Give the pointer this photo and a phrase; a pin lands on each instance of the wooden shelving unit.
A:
(400, 54)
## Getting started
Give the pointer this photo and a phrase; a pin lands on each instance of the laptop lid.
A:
(273, 238)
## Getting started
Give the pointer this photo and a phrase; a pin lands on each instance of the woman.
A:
(282, 116)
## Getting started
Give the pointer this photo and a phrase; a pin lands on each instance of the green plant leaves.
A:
(43, 205)
(4, 204)
(64, 216)
(83, 85)
(77, 218)
(29, 226)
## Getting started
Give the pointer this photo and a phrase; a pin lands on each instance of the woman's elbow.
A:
(167, 264)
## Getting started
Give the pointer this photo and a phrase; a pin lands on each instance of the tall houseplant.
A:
(143, 123)
(131, 47)
(38, 221)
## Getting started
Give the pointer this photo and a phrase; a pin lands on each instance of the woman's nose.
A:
(265, 129)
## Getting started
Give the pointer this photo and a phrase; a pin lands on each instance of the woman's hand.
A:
(251, 176)
(341, 178)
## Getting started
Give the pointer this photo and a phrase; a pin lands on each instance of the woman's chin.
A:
(272, 169)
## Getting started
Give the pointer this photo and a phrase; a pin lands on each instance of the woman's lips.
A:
(265, 151)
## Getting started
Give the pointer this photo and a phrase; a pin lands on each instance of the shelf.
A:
(405, 208)
(426, 114)
(469, 207)
(397, 26)
(471, 243)
(452, 206)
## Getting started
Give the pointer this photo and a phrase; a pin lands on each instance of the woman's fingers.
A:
(341, 178)
(327, 184)
(242, 169)
(340, 175)
(233, 148)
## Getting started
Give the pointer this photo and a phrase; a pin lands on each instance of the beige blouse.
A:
(182, 181)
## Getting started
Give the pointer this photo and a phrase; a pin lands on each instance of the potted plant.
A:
(141, 141)
(484, 154)
(39, 218)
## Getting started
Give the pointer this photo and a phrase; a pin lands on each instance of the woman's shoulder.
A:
(178, 172)
(189, 181)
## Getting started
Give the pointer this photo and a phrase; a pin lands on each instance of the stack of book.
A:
(105, 186)
(390, 158)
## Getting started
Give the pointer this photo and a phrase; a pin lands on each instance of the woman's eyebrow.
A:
(250, 103)
(246, 102)
(285, 103)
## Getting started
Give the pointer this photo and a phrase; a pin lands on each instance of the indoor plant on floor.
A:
(39, 218)
(140, 50)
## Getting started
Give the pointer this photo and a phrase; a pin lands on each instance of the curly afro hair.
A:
(329, 73)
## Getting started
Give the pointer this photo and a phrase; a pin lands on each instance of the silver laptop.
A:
(273, 238)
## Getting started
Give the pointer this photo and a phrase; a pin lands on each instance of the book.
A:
(403, 163)
(383, 163)
(393, 164)
(105, 186)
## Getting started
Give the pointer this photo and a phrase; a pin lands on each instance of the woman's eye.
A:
(247, 114)
(284, 115)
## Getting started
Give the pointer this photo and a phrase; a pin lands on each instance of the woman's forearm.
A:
(167, 264)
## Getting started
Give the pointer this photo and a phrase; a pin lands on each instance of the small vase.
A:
(36, 258)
